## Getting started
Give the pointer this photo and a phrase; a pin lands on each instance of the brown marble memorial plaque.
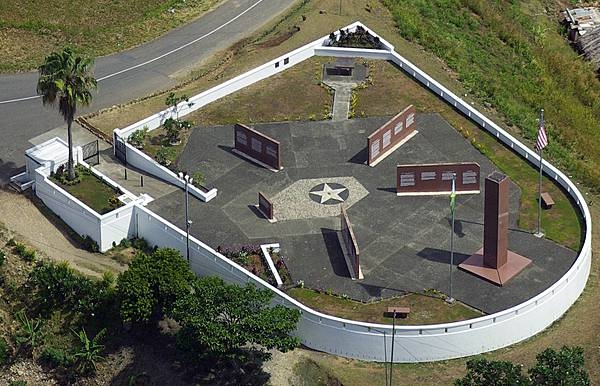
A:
(383, 140)
(350, 244)
(265, 206)
(437, 178)
(257, 146)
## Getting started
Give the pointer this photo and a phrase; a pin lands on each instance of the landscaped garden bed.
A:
(89, 189)
(251, 258)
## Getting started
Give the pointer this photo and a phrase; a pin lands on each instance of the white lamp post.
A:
(188, 180)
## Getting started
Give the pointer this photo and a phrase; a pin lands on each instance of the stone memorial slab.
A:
(391, 136)
(431, 179)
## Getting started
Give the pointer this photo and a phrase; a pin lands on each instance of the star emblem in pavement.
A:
(329, 193)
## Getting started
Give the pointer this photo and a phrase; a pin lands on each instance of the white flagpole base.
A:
(539, 234)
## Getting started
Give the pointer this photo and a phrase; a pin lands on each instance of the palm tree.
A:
(66, 78)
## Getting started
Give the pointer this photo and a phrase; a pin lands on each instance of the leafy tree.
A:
(58, 286)
(66, 78)
(172, 101)
(481, 372)
(560, 368)
(88, 352)
(148, 289)
(218, 320)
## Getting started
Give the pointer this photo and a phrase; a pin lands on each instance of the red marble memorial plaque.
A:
(265, 206)
(257, 146)
(350, 243)
(390, 134)
(437, 178)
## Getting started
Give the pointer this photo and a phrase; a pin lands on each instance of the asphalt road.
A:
(127, 75)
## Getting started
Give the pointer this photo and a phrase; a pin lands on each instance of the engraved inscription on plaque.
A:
(387, 138)
(375, 148)
(469, 177)
(426, 176)
(270, 150)
(398, 127)
(410, 119)
(407, 179)
(256, 145)
(241, 137)
(447, 176)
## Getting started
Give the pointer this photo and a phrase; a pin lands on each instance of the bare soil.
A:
(30, 222)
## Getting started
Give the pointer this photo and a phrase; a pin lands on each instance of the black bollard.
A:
(125, 174)
(142, 181)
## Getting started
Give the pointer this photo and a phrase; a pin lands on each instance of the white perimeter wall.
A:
(104, 229)
(372, 341)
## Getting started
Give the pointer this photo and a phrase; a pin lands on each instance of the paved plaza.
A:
(404, 242)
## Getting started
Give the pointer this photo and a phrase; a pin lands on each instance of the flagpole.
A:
(539, 217)
(450, 298)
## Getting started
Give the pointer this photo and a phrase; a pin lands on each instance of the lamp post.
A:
(450, 298)
(188, 180)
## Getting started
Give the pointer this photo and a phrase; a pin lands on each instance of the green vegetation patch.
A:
(92, 191)
(424, 309)
(511, 56)
(29, 30)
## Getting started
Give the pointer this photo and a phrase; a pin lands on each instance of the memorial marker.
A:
(433, 179)
(495, 262)
(352, 255)
(265, 206)
(383, 141)
(257, 147)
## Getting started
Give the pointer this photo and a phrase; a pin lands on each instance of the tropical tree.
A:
(222, 321)
(152, 284)
(564, 367)
(481, 372)
(66, 79)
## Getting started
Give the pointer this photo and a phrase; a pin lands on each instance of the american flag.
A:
(542, 138)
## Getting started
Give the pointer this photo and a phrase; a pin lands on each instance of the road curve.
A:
(129, 74)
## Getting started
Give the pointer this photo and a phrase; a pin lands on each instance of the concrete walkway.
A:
(114, 169)
(341, 100)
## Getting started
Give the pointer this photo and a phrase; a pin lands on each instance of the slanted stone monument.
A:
(389, 137)
(265, 206)
(257, 147)
(352, 253)
(434, 179)
(495, 262)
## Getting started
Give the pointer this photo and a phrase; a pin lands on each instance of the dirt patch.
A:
(27, 219)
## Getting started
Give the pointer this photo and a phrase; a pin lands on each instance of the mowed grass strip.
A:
(30, 30)
(92, 191)
(423, 309)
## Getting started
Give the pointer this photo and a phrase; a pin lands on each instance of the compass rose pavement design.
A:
(317, 197)
(329, 193)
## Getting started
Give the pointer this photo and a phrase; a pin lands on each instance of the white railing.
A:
(372, 341)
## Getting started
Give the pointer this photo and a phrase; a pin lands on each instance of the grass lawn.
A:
(30, 30)
(424, 309)
(93, 192)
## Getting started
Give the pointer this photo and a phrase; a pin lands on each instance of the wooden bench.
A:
(547, 200)
(401, 312)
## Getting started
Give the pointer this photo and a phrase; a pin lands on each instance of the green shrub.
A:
(56, 357)
(197, 178)
(4, 352)
(138, 137)
(11, 243)
(166, 155)
(18, 383)
(26, 253)
(2, 258)
(90, 244)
